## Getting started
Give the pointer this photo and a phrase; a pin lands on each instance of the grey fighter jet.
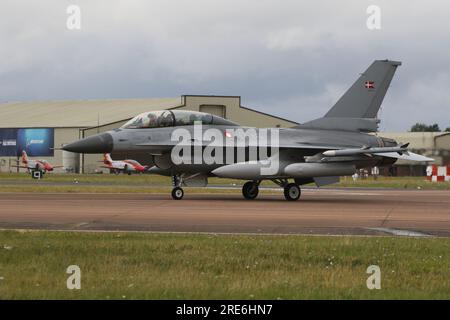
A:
(192, 146)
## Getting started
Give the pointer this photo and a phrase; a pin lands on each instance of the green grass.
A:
(122, 179)
(394, 183)
(187, 266)
(101, 183)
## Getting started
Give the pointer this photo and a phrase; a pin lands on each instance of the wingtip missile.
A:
(400, 149)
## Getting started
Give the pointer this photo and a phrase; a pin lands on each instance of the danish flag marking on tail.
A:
(369, 85)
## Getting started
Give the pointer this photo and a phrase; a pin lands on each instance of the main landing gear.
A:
(250, 189)
(292, 191)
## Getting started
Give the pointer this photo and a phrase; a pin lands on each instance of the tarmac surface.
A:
(321, 211)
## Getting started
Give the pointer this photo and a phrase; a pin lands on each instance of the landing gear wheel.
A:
(292, 192)
(177, 193)
(250, 190)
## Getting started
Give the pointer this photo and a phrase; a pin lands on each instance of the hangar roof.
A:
(77, 113)
(93, 113)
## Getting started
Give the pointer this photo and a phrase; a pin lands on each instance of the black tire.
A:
(177, 193)
(292, 192)
(250, 190)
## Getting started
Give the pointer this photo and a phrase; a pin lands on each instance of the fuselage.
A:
(293, 144)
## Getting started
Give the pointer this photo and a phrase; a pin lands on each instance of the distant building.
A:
(435, 145)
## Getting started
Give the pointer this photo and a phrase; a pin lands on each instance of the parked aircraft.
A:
(127, 166)
(35, 166)
(191, 146)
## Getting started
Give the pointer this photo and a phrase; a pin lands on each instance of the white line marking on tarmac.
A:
(205, 233)
(399, 232)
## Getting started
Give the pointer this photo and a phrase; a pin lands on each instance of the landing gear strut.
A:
(250, 189)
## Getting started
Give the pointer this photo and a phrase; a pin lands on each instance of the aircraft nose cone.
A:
(100, 143)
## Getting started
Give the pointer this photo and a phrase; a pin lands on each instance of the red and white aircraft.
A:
(33, 166)
(127, 166)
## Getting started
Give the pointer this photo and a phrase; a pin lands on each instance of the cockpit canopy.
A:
(174, 118)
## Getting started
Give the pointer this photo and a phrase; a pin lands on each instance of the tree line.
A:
(422, 127)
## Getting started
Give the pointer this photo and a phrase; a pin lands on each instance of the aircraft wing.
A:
(398, 152)
(19, 166)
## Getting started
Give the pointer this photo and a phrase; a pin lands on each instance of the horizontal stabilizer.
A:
(406, 156)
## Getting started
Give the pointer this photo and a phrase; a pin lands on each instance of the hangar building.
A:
(42, 127)
(435, 145)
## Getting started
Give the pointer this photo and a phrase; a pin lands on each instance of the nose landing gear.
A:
(177, 191)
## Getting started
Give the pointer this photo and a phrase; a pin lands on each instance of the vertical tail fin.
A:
(107, 158)
(364, 98)
(24, 157)
(357, 109)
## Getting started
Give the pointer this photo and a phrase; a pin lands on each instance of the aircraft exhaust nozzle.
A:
(99, 143)
(309, 170)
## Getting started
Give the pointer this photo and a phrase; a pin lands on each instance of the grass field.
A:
(157, 184)
(186, 266)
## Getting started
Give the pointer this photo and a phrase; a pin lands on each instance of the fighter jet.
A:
(191, 146)
(127, 166)
(33, 166)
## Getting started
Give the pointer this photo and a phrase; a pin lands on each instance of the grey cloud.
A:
(285, 57)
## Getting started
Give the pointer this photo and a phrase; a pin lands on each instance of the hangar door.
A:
(217, 110)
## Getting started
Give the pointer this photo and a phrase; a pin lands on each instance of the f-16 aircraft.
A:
(192, 146)
(40, 166)
(127, 166)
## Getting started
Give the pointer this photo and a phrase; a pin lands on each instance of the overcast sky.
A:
(289, 58)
